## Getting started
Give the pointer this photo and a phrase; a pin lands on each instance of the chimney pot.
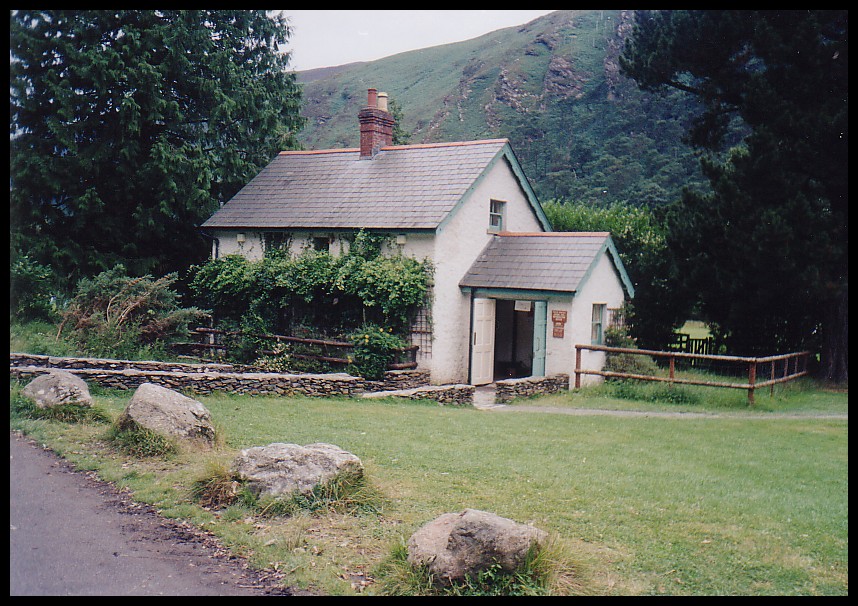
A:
(382, 102)
(371, 97)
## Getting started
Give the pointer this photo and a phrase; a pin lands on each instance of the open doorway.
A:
(514, 322)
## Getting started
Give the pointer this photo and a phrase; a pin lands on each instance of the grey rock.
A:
(284, 469)
(56, 388)
(168, 413)
(456, 545)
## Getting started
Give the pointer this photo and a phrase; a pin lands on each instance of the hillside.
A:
(552, 86)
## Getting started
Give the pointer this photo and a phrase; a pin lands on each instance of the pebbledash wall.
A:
(227, 378)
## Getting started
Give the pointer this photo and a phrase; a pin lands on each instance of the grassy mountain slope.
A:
(552, 86)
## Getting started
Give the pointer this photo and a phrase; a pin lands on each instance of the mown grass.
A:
(727, 505)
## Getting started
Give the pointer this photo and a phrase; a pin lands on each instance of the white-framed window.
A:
(497, 209)
(597, 332)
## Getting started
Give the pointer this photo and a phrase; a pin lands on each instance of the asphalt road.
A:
(71, 534)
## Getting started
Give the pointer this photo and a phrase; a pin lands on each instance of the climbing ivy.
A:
(326, 294)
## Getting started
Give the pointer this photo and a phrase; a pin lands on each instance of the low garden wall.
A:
(207, 378)
(508, 389)
(453, 395)
(210, 378)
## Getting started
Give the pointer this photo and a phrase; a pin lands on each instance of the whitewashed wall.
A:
(602, 286)
(459, 242)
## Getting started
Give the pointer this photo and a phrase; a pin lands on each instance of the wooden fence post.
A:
(672, 368)
(752, 378)
(772, 386)
(577, 367)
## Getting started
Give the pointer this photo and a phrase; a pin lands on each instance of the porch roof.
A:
(547, 261)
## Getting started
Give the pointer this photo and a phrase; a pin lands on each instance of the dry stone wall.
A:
(210, 378)
(509, 389)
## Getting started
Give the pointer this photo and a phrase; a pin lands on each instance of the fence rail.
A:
(751, 385)
(213, 334)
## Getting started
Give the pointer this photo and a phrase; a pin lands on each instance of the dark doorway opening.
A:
(513, 339)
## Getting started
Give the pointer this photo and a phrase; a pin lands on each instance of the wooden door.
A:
(483, 342)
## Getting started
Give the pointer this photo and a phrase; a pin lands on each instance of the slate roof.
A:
(402, 187)
(551, 261)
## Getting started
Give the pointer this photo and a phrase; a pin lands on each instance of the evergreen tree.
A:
(129, 127)
(766, 249)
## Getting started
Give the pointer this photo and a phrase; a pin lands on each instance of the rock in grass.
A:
(457, 545)
(168, 413)
(286, 469)
(58, 388)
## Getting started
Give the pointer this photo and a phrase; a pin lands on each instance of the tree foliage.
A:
(766, 249)
(129, 127)
(658, 308)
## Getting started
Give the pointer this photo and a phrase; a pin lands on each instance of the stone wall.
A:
(22, 359)
(454, 395)
(508, 389)
(210, 378)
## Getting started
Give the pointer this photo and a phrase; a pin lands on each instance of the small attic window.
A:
(497, 210)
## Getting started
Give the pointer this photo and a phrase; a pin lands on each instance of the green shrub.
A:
(374, 349)
(116, 315)
(626, 362)
(31, 290)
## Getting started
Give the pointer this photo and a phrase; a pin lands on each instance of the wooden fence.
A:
(211, 340)
(798, 361)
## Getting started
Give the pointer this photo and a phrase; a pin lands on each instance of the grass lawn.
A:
(737, 504)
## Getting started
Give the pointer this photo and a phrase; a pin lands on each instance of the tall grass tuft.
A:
(66, 413)
(347, 493)
(217, 488)
(547, 570)
(141, 442)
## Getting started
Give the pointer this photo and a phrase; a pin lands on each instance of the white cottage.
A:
(510, 298)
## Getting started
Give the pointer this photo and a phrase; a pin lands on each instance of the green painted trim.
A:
(506, 153)
(609, 247)
(525, 185)
(516, 293)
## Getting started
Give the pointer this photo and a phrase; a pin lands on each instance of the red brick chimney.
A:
(376, 124)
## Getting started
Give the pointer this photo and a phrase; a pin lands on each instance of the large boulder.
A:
(168, 413)
(285, 469)
(56, 388)
(456, 545)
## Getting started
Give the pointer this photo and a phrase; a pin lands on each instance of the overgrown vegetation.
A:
(316, 294)
(116, 315)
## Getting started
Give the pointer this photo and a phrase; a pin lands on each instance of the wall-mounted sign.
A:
(522, 305)
(558, 318)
